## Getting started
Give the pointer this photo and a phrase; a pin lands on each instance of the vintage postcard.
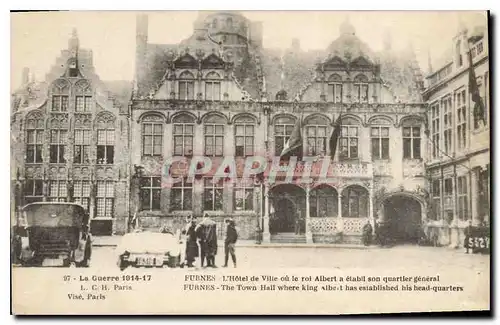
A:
(250, 162)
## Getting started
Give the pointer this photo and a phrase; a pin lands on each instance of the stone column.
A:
(266, 236)
(340, 221)
(309, 238)
(370, 207)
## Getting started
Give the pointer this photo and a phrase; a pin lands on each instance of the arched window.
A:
(214, 23)
(105, 125)
(83, 98)
(152, 135)
(212, 86)
(335, 88)
(316, 135)
(458, 54)
(34, 138)
(355, 202)
(360, 89)
(214, 136)
(60, 96)
(58, 142)
(183, 135)
(229, 23)
(349, 139)
(283, 127)
(244, 128)
(82, 145)
(324, 202)
(186, 86)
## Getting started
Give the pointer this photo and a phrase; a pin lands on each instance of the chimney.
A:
(25, 76)
(256, 33)
(141, 39)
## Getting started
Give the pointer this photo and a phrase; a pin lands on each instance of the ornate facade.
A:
(70, 141)
(458, 167)
(221, 94)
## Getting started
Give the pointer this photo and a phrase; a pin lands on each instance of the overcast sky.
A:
(38, 38)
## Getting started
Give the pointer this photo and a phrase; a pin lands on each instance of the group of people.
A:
(201, 241)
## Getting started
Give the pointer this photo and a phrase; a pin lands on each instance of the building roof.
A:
(264, 72)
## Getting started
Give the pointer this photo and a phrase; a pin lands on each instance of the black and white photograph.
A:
(333, 156)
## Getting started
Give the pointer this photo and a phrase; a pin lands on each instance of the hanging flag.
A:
(334, 138)
(475, 94)
(293, 147)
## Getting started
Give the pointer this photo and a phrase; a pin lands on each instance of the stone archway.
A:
(402, 215)
(287, 202)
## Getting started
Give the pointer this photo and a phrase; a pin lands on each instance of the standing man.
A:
(206, 232)
(191, 242)
(230, 241)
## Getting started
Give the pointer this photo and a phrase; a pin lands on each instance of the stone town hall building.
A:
(220, 93)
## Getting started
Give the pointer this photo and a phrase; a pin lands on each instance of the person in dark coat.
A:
(191, 242)
(468, 232)
(230, 241)
(206, 232)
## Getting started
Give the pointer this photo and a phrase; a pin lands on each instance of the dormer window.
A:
(186, 86)
(360, 93)
(335, 89)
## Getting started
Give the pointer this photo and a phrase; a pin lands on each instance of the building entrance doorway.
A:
(403, 216)
(284, 218)
(287, 202)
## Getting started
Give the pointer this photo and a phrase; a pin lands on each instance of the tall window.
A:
(380, 142)
(244, 136)
(183, 135)
(186, 86)
(212, 86)
(105, 199)
(316, 136)
(335, 89)
(152, 137)
(447, 124)
(83, 103)
(355, 202)
(324, 202)
(283, 127)
(151, 193)
(213, 195)
(181, 196)
(411, 142)
(214, 136)
(60, 103)
(448, 192)
(360, 92)
(82, 193)
(463, 202)
(58, 191)
(105, 146)
(82, 146)
(58, 140)
(435, 129)
(436, 199)
(461, 119)
(34, 141)
(33, 191)
(349, 142)
(243, 194)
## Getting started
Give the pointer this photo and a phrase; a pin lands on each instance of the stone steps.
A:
(288, 238)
